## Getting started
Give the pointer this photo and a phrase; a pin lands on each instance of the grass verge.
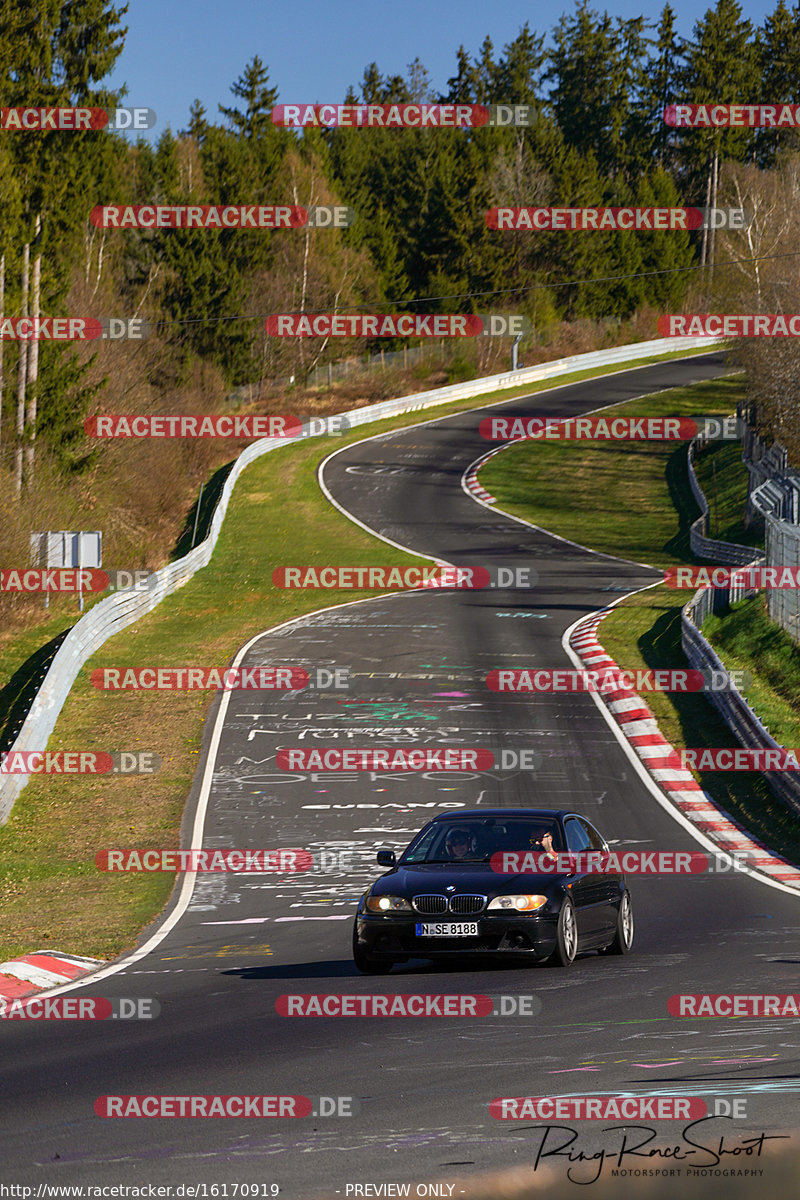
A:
(746, 638)
(631, 499)
(723, 477)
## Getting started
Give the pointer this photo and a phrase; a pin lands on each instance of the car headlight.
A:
(517, 903)
(382, 904)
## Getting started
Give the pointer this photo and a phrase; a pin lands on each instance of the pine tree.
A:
(372, 85)
(88, 41)
(597, 73)
(634, 151)
(577, 182)
(253, 88)
(520, 69)
(661, 89)
(446, 226)
(203, 287)
(54, 53)
(242, 165)
(670, 251)
(778, 49)
(250, 157)
(198, 125)
(720, 66)
(462, 87)
(486, 74)
(9, 271)
(382, 245)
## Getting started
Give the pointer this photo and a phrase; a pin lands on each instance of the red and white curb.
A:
(45, 969)
(639, 726)
(471, 478)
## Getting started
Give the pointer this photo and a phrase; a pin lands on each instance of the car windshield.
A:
(477, 840)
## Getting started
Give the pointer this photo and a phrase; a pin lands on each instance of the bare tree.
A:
(2, 316)
(768, 199)
(33, 355)
(758, 281)
(22, 373)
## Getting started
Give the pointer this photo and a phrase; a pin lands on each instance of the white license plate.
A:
(447, 929)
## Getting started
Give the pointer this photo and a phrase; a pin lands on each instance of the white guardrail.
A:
(733, 707)
(730, 553)
(119, 611)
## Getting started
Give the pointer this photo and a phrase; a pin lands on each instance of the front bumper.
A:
(393, 938)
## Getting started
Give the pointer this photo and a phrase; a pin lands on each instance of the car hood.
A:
(466, 877)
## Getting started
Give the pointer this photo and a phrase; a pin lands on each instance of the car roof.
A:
(469, 814)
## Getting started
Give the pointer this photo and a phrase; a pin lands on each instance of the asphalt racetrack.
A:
(218, 962)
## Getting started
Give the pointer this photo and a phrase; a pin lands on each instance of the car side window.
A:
(422, 845)
(577, 835)
(595, 841)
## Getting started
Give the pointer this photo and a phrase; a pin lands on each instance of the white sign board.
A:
(66, 549)
(63, 548)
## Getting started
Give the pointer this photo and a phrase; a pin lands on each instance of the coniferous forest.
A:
(598, 86)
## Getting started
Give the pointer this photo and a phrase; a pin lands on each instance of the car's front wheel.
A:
(623, 938)
(566, 936)
(365, 962)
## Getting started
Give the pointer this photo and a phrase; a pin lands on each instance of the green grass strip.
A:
(723, 478)
(746, 638)
(631, 499)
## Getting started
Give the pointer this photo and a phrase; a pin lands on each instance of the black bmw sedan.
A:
(463, 888)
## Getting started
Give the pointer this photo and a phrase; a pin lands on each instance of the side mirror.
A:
(386, 858)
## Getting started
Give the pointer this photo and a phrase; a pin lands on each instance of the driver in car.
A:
(541, 841)
(459, 843)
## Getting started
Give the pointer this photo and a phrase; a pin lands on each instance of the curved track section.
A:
(231, 944)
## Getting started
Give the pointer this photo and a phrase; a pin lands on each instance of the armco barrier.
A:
(731, 553)
(116, 612)
(735, 710)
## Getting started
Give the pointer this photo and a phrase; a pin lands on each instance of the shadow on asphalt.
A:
(341, 968)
